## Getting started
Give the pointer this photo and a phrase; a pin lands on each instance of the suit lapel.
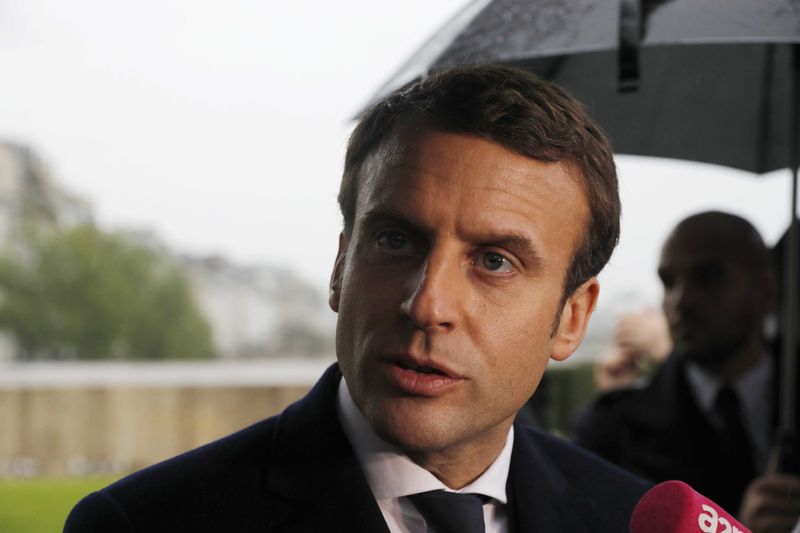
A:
(313, 471)
(667, 416)
(539, 497)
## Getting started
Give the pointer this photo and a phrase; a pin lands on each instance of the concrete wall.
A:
(68, 428)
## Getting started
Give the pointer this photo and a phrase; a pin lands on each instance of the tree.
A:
(82, 293)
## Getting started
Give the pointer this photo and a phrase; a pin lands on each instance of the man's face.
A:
(713, 302)
(449, 284)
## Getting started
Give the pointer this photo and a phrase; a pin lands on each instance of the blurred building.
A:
(27, 190)
(260, 311)
(253, 311)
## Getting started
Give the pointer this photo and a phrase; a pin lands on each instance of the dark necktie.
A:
(450, 512)
(736, 447)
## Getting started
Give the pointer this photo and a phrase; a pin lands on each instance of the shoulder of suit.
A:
(579, 465)
(200, 490)
(617, 396)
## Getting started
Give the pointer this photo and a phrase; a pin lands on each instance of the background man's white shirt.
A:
(753, 389)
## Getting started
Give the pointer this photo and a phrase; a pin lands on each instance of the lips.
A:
(681, 323)
(685, 329)
(423, 369)
(418, 377)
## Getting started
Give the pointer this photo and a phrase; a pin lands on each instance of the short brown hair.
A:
(519, 111)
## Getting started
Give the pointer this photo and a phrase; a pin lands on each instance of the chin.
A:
(414, 429)
(414, 443)
(710, 356)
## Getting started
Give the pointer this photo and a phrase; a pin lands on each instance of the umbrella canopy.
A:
(721, 97)
(715, 81)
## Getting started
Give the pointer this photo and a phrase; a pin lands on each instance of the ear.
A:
(336, 276)
(574, 319)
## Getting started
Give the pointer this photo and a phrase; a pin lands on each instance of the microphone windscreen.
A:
(675, 507)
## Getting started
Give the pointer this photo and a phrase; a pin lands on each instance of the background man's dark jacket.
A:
(659, 433)
(296, 472)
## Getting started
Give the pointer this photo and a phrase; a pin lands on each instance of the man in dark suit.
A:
(707, 416)
(479, 204)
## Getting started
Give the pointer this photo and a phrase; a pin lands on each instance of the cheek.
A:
(669, 304)
(368, 306)
(515, 382)
(745, 310)
(355, 288)
(521, 320)
(517, 351)
(350, 315)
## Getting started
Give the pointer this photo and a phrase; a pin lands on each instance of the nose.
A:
(680, 298)
(435, 293)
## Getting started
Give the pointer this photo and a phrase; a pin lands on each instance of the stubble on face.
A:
(456, 260)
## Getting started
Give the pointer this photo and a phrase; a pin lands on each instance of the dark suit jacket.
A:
(659, 433)
(296, 472)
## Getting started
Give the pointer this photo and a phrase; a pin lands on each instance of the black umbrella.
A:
(703, 80)
(716, 81)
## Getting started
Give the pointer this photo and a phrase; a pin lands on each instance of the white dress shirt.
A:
(392, 475)
(754, 391)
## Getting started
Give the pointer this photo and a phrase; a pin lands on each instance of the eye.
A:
(393, 240)
(494, 262)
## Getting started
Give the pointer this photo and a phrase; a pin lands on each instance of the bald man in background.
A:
(708, 415)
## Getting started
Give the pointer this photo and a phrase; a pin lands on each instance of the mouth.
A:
(684, 323)
(684, 330)
(416, 377)
(422, 369)
(422, 364)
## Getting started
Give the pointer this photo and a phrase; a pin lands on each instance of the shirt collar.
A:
(705, 385)
(391, 473)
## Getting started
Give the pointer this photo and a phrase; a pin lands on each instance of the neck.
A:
(747, 358)
(459, 465)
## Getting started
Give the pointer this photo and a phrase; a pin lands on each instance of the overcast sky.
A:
(221, 125)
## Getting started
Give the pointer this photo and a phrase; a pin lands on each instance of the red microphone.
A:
(675, 507)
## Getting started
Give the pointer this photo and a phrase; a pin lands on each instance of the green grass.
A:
(41, 505)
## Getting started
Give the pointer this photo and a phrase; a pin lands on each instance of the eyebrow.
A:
(381, 214)
(520, 245)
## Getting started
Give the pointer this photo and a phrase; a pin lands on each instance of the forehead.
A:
(468, 184)
(694, 245)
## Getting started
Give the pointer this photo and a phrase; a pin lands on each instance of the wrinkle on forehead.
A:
(399, 156)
